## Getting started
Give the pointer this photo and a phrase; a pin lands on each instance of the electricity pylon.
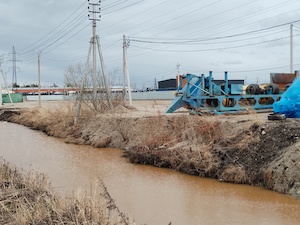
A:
(4, 82)
(14, 67)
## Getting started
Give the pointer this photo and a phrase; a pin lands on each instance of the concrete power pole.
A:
(96, 45)
(39, 77)
(94, 8)
(178, 69)
(291, 49)
(108, 96)
(125, 69)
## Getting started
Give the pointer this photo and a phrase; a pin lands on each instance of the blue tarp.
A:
(289, 104)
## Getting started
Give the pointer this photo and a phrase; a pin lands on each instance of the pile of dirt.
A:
(6, 115)
(246, 151)
(269, 142)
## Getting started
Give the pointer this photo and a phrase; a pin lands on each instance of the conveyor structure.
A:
(201, 94)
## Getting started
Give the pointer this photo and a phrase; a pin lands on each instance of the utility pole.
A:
(125, 69)
(39, 77)
(155, 84)
(96, 44)
(178, 69)
(291, 49)
(108, 96)
(94, 8)
(178, 75)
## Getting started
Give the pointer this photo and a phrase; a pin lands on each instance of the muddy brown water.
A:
(151, 195)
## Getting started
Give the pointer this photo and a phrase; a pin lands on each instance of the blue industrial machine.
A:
(202, 94)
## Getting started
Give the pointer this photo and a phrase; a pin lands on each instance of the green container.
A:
(14, 97)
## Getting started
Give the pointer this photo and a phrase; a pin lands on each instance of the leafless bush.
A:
(80, 76)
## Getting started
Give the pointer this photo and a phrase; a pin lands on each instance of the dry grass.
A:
(234, 174)
(29, 199)
(268, 178)
(183, 143)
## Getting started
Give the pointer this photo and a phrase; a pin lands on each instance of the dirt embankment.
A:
(244, 151)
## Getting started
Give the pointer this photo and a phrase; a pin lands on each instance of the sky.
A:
(248, 38)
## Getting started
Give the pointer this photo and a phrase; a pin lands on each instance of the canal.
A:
(152, 196)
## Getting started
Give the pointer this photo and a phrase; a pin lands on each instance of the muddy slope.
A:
(263, 154)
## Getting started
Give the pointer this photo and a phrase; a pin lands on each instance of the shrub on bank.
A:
(29, 199)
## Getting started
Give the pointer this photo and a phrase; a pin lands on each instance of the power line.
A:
(215, 38)
(242, 17)
(157, 17)
(196, 10)
(223, 23)
(214, 15)
(217, 49)
(203, 30)
(199, 40)
(113, 4)
(65, 34)
(68, 30)
(30, 46)
(66, 60)
(136, 14)
(124, 7)
(62, 32)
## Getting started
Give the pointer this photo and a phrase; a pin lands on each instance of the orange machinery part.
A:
(282, 79)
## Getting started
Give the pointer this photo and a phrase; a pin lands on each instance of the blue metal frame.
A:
(201, 93)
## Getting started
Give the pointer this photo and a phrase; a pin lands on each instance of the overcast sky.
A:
(242, 37)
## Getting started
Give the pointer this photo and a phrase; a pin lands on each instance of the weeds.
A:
(29, 199)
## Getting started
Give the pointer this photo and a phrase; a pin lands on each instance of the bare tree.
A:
(74, 76)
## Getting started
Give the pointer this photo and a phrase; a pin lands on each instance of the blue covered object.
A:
(289, 104)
